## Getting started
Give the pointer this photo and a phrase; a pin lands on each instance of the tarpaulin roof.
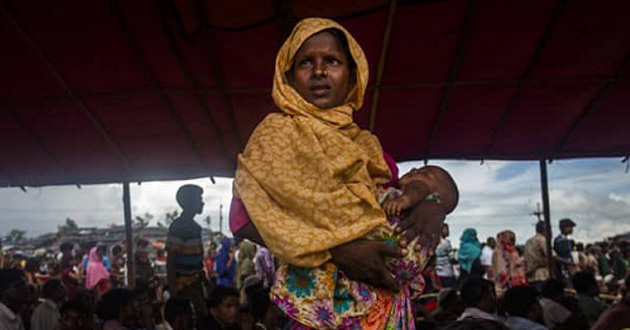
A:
(111, 91)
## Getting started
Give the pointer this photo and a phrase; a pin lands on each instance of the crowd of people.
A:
(326, 236)
(84, 287)
(588, 279)
(494, 285)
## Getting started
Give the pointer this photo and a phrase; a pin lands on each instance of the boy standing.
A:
(563, 246)
(184, 263)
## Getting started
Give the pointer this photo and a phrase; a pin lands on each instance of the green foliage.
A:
(15, 235)
(68, 227)
(143, 221)
(169, 217)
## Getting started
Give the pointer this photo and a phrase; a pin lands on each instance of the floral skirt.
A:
(324, 298)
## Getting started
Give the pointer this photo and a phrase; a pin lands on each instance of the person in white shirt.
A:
(46, 316)
(523, 308)
(486, 256)
(13, 294)
(443, 260)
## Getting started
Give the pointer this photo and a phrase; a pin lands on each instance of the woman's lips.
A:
(320, 90)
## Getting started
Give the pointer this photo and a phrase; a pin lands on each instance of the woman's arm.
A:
(360, 260)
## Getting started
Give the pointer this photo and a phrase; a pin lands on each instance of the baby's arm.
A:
(412, 194)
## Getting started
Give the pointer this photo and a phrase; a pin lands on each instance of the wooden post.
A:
(221, 218)
(544, 186)
(128, 235)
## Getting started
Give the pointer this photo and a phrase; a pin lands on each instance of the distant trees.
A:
(143, 221)
(169, 217)
(14, 236)
(68, 227)
(139, 222)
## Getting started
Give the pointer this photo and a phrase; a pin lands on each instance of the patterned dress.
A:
(324, 298)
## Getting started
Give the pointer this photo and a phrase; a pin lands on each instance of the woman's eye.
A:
(306, 62)
(334, 61)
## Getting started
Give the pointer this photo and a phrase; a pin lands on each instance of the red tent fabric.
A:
(111, 91)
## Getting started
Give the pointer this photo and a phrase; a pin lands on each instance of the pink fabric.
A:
(239, 217)
(391, 163)
(95, 270)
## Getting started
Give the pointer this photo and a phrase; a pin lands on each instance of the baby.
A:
(426, 183)
(313, 292)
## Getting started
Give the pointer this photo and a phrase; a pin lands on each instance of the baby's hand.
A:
(394, 207)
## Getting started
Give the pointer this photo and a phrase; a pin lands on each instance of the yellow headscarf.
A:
(308, 176)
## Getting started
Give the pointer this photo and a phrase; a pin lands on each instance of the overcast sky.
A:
(495, 195)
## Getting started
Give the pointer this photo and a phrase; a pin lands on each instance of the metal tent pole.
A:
(546, 215)
(128, 235)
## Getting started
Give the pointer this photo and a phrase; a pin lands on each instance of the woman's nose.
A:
(320, 69)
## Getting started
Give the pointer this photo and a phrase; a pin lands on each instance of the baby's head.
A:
(438, 180)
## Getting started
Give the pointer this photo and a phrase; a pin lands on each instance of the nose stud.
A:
(321, 72)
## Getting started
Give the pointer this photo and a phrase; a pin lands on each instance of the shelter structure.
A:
(126, 91)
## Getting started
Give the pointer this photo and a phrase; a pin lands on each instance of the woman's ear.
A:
(288, 76)
(353, 77)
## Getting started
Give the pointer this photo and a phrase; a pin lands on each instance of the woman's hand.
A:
(425, 221)
(364, 261)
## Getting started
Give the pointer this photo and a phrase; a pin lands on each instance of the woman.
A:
(245, 262)
(507, 265)
(308, 176)
(225, 264)
(265, 266)
(97, 276)
(468, 255)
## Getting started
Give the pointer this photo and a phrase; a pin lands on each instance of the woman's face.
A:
(321, 74)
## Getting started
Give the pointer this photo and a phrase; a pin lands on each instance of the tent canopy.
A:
(111, 91)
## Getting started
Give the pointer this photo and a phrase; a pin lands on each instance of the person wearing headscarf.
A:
(96, 276)
(468, 254)
(245, 262)
(308, 179)
(507, 265)
(308, 175)
(265, 266)
(245, 265)
(226, 264)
